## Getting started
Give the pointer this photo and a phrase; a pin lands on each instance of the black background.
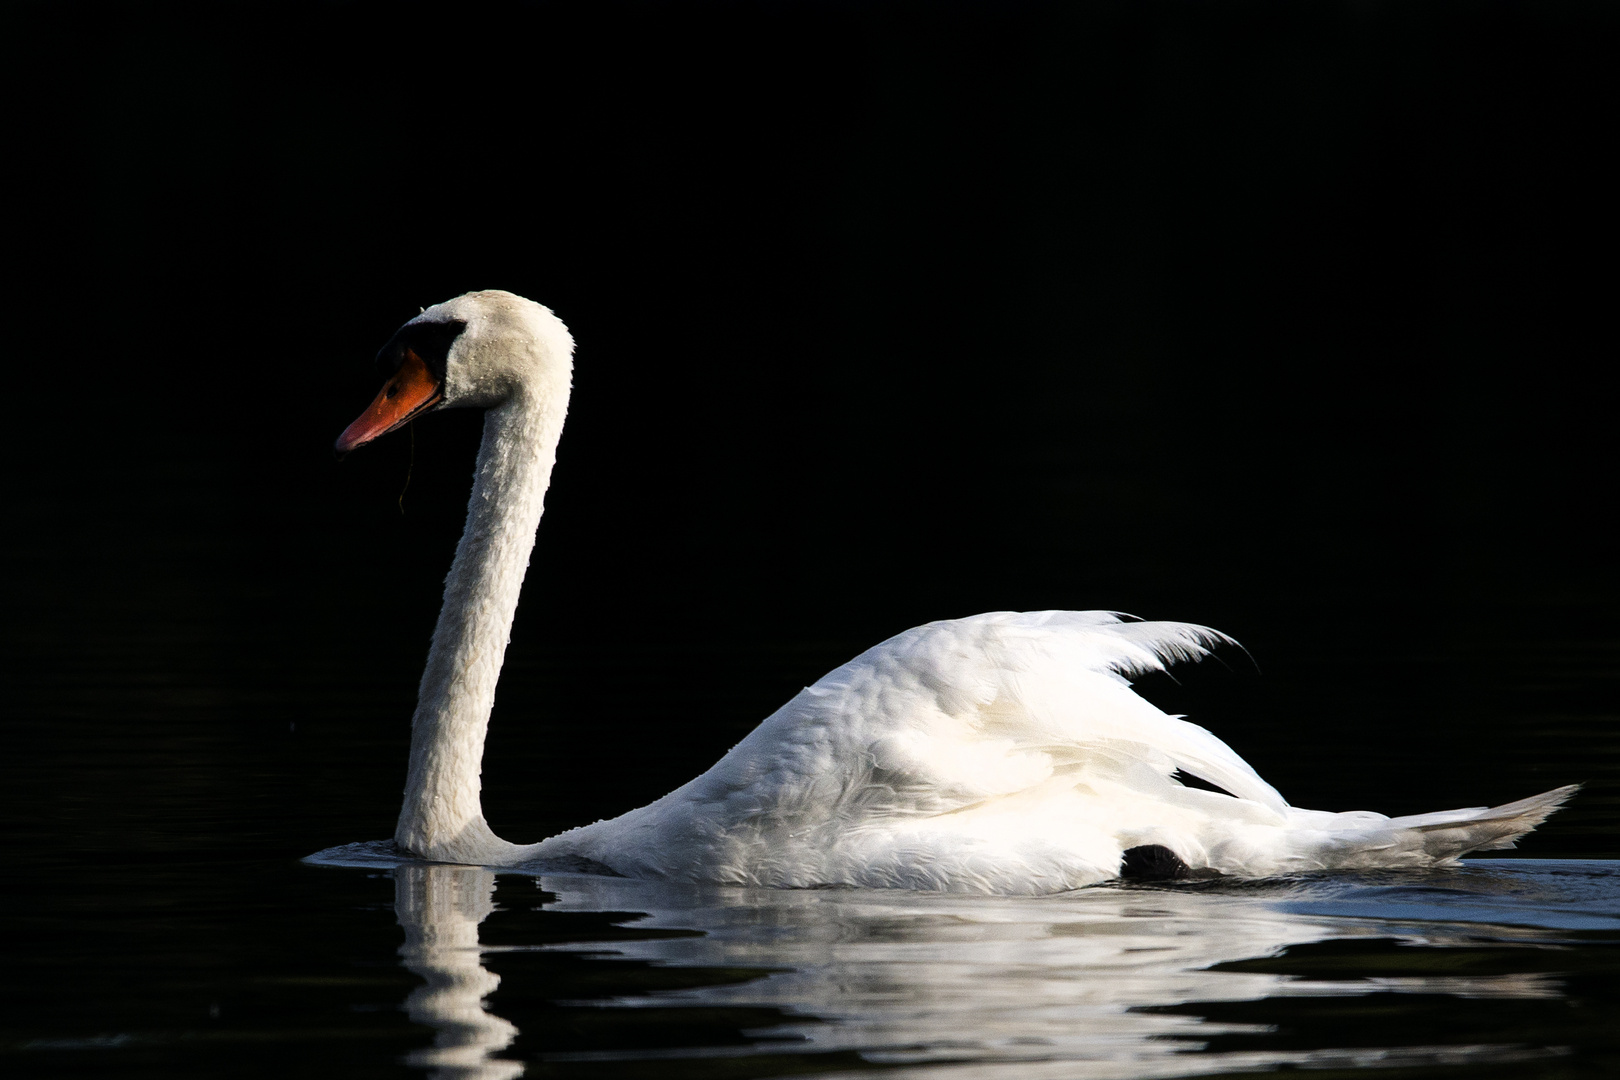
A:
(1291, 319)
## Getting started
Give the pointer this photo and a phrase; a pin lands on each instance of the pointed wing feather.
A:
(1071, 649)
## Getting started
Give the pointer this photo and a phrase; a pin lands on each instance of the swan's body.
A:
(1002, 753)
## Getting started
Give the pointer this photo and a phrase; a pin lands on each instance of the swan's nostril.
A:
(393, 388)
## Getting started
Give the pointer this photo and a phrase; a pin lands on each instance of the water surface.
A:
(1501, 963)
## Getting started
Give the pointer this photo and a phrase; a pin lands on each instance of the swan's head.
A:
(480, 350)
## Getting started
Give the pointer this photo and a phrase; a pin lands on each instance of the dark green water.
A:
(1280, 318)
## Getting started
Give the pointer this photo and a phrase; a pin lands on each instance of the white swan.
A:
(1003, 753)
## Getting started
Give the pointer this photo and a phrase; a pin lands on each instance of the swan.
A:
(1003, 753)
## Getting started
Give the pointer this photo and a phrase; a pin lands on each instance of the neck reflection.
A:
(440, 908)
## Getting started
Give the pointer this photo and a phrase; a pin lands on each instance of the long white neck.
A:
(442, 817)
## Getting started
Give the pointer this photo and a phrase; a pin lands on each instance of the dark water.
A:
(1281, 318)
(1503, 968)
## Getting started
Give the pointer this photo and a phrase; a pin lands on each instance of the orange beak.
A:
(412, 390)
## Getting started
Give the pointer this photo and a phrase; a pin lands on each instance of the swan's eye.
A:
(429, 342)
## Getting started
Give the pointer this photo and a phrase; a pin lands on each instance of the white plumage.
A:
(1003, 753)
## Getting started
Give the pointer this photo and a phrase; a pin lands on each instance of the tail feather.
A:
(1450, 833)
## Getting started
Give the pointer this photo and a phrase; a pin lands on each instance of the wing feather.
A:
(955, 712)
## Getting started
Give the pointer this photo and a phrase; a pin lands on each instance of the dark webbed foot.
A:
(1153, 862)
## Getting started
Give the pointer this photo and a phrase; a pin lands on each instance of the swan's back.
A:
(1003, 752)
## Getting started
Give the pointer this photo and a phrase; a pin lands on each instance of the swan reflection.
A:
(440, 908)
(1085, 984)
(1098, 983)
